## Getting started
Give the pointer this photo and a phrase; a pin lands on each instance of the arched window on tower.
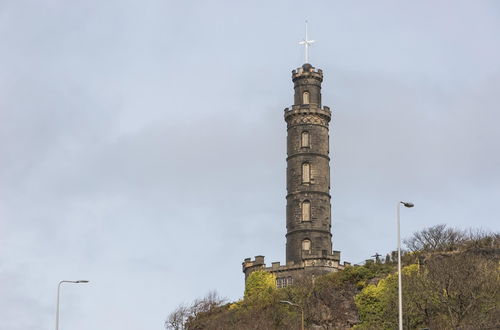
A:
(306, 245)
(304, 141)
(306, 211)
(305, 98)
(306, 173)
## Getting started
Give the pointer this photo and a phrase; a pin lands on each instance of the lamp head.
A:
(408, 204)
(82, 281)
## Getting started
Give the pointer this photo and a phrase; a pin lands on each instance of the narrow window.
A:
(305, 98)
(306, 173)
(306, 245)
(289, 281)
(304, 142)
(306, 211)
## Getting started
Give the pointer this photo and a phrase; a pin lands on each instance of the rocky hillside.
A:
(451, 280)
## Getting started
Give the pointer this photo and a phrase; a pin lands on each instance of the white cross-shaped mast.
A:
(306, 44)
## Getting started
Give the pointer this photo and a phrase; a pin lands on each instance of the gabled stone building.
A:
(308, 208)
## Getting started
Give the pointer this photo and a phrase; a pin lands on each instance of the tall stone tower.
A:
(308, 211)
(308, 208)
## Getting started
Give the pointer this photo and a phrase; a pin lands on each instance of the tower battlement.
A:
(306, 71)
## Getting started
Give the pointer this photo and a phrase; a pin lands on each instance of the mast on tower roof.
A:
(306, 42)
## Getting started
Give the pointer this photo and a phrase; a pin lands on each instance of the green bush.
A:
(260, 285)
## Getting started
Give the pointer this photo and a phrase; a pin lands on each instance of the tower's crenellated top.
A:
(307, 71)
(307, 85)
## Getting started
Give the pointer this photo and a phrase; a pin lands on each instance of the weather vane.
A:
(306, 44)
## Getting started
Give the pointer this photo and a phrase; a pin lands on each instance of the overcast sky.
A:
(142, 143)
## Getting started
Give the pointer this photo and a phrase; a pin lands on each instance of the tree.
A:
(377, 303)
(467, 287)
(184, 318)
(436, 238)
(176, 319)
(260, 285)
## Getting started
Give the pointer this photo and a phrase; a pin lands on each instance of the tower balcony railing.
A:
(309, 107)
(333, 255)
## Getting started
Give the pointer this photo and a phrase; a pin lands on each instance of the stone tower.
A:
(308, 210)
(308, 207)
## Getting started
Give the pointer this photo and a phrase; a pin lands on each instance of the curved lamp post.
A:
(400, 289)
(301, 310)
(58, 294)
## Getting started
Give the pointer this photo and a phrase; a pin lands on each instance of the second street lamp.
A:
(58, 295)
(301, 310)
(400, 289)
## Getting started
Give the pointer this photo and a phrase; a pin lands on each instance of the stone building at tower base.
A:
(285, 274)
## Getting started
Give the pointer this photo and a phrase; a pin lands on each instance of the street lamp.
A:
(301, 310)
(400, 289)
(58, 294)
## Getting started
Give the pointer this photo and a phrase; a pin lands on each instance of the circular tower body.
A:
(308, 210)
